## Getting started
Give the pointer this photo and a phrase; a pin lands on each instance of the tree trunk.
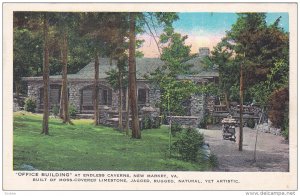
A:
(120, 100)
(226, 100)
(61, 103)
(46, 77)
(96, 90)
(66, 118)
(241, 108)
(136, 133)
(127, 112)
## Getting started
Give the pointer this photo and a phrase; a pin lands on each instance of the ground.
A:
(85, 147)
(272, 151)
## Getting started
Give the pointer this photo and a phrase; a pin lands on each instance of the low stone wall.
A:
(189, 121)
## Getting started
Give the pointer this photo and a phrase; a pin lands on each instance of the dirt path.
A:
(272, 151)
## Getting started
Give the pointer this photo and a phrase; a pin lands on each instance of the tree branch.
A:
(153, 37)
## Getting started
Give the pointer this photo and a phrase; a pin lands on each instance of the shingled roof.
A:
(144, 66)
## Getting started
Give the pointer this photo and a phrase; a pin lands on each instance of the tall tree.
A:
(256, 48)
(224, 59)
(96, 90)
(136, 132)
(102, 31)
(117, 46)
(46, 76)
(118, 79)
(137, 23)
(28, 50)
(93, 27)
(174, 54)
(66, 23)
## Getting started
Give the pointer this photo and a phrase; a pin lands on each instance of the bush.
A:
(175, 128)
(203, 123)
(279, 110)
(188, 144)
(72, 111)
(209, 120)
(164, 119)
(30, 104)
(147, 123)
(251, 123)
(213, 161)
(156, 122)
(150, 123)
(55, 110)
(285, 127)
(279, 104)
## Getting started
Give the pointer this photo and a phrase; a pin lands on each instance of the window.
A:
(106, 97)
(142, 95)
(54, 95)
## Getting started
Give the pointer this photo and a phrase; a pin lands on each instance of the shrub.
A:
(209, 120)
(164, 119)
(279, 102)
(72, 111)
(55, 110)
(203, 123)
(175, 128)
(30, 104)
(156, 122)
(188, 144)
(251, 123)
(285, 127)
(279, 110)
(150, 123)
(147, 123)
(213, 161)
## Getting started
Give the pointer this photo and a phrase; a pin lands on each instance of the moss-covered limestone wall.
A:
(75, 88)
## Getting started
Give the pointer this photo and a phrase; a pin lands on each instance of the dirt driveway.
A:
(272, 151)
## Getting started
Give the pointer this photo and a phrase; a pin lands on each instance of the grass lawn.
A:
(84, 147)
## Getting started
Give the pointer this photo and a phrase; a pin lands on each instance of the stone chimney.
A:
(204, 51)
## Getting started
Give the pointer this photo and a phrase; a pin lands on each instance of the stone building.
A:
(80, 86)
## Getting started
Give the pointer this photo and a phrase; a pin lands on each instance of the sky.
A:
(205, 29)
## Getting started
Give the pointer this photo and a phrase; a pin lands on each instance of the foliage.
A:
(114, 74)
(208, 89)
(285, 127)
(203, 123)
(78, 146)
(27, 58)
(206, 120)
(251, 123)
(188, 144)
(72, 111)
(277, 78)
(30, 104)
(213, 160)
(112, 78)
(174, 92)
(279, 109)
(150, 122)
(147, 123)
(55, 110)
(176, 128)
(263, 52)
(176, 53)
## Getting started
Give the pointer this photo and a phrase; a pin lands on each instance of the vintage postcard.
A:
(150, 96)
